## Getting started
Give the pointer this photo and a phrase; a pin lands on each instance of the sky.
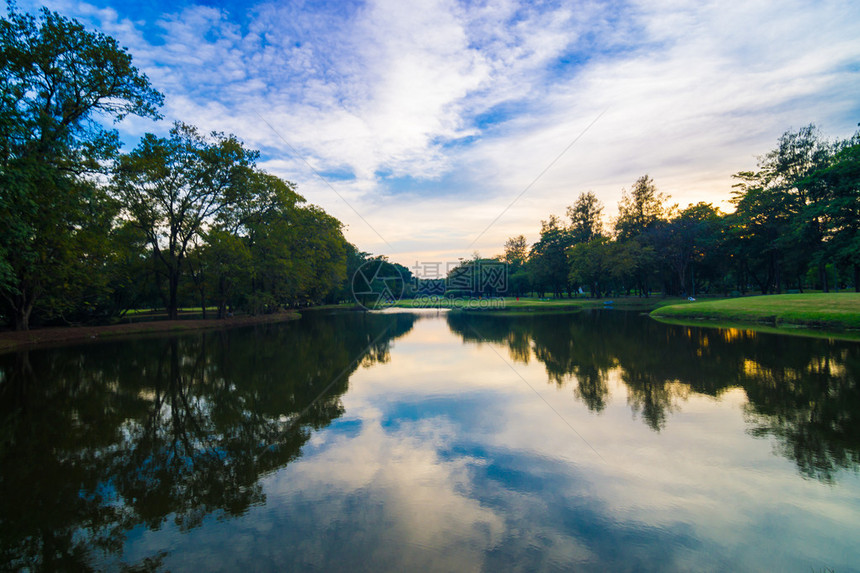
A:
(435, 129)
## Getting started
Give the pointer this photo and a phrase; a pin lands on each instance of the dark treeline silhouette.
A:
(100, 439)
(804, 392)
(796, 226)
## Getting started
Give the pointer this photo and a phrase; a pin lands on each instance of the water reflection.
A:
(802, 391)
(101, 439)
(292, 448)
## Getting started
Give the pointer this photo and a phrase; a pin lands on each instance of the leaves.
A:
(55, 76)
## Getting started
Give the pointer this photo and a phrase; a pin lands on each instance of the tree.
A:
(548, 258)
(760, 218)
(799, 154)
(840, 212)
(602, 264)
(290, 253)
(129, 269)
(638, 214)
(516, 256)
(56, 76)
(298, 251)
(516, 252)
(173, 187)
(780, 220)
(227, 260)
(586, 218)
(640, 210)
(354, 260)
(686, 239)
(591, 264)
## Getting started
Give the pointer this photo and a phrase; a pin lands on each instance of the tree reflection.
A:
(801, 391)
(813, 409)
(101, 439)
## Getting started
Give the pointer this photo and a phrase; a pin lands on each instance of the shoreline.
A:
(815, 311)
(12, 340)
(764, 327)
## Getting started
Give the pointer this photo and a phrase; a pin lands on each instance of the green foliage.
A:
(639, 210)
(780, 221)
(172, 187)
(227, 260)
(55, 77)
(586, 218)
(516, 253)
(185, 218)
(796, 225)
(548, 258)
(686, 239)
(839, 183)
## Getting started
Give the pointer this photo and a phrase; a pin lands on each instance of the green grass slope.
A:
(830, 310)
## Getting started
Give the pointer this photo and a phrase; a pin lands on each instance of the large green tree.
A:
(516, 256)
(586, 218)
(839, 182)
(640, 212)
(780, 219)
(686, 239)
(548, 258)
(55, 79)
(297, 251)
(171, 188)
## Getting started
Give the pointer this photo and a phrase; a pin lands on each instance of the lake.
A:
(593, 440)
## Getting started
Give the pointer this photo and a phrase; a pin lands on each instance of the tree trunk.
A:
(762, 285)
(173, 286)
(22, 316)
(777, 276)
(822, 277)
(692, 281)
(203, 299)
(856, 277)
(22, 307)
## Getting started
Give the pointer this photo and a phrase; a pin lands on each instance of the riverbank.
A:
(817, 310)
(16, 340)
(533, 304)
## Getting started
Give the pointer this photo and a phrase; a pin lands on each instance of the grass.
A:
(534, 304)
(185, 309)
(830, 310)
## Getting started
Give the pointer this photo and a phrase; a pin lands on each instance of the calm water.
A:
(587, 441)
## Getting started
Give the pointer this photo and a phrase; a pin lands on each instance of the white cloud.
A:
(692, 92)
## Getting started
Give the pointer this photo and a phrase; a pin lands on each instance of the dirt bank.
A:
(12, 340)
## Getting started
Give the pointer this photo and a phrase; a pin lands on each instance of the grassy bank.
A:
(15, 340)
(533, 304)
(832, 310)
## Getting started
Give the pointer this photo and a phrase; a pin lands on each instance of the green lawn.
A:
(831, 310)
(185, 309)
(534, 304)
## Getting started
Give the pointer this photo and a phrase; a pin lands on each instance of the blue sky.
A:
(429, 117)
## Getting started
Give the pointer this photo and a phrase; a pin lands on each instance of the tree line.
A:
(796, 226)
(89, 232)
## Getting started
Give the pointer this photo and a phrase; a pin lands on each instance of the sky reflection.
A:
(445, 459)
(436, 442)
